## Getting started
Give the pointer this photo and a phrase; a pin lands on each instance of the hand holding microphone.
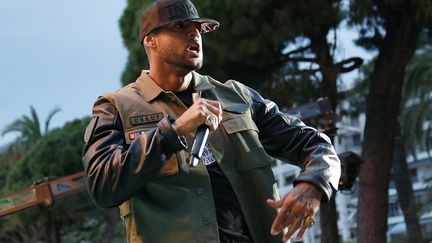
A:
(203, 116)
(200, 141)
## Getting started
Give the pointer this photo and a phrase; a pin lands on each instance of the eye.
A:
(199, 27)
(179, 25)
(183, 25)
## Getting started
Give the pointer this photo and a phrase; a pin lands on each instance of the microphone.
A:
(199, 143)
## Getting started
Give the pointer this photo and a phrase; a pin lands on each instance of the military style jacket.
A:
(134, 159)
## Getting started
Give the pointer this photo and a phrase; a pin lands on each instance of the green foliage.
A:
(417, 98)
(29, 130)
(129, 27)
(245, 47)
(253, 37)
(416, 105)
(75, 218)
(290, 87)
(250, 44)
(368, 16)
(29, 133)
(357, 97)
(57, 153)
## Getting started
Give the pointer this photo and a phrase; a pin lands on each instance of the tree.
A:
(29, 133)
(29, 130)
(54, 153)
(402, 22)
(405, 190)
(415, 112)
(417, 101)
(410, 133)
(251, 45)
(57, 153)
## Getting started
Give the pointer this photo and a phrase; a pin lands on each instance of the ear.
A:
(149, 41)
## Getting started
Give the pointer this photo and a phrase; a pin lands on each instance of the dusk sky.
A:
(57, 53)
(66, 53)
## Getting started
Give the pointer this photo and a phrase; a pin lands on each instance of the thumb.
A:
(274, 203)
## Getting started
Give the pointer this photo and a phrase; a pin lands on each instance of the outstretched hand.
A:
(296, 210)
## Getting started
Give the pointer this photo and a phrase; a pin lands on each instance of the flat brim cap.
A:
(163, 12)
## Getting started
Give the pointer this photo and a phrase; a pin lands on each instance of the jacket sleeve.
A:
(115, 170)
(287, 138)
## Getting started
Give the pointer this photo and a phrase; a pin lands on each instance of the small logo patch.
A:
(134, 135)
(151, 118)
(207, 156)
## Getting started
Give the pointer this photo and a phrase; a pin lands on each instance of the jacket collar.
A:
(200, 82)
(150, 89)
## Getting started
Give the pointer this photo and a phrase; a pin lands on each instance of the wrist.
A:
(311, 190)
(169, 132)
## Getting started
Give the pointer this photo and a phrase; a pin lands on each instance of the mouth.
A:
(194, 48)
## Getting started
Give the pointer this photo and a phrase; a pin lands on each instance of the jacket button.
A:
(205, 221)
(200, 190)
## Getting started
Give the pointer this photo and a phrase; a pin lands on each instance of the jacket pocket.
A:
(244, 134)
(234, 123)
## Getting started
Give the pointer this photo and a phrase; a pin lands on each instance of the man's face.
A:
(180, 44)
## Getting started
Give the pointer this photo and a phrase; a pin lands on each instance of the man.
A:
(138, 147)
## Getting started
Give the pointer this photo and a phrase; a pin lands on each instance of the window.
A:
(356, 139)
(394, 209)
(413, 175)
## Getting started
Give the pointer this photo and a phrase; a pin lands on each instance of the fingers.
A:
(213, 106)
(294, 223)
(280, 220)
(274, 204)
(302, 230)
(210, 112)
(296, 212)
(203, 111)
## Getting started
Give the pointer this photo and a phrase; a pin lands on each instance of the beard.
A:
(188, 64)
(181, 59)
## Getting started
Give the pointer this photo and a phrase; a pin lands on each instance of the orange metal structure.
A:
(42, 193)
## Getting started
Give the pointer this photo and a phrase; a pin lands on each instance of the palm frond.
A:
(416, 109)
(34, 123)
(50, 116)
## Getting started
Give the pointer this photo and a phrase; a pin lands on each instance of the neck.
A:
(176, 80)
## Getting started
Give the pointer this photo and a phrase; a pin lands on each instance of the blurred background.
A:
(360, 71)
(58, 54)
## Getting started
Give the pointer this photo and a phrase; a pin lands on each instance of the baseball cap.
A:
(163, 12)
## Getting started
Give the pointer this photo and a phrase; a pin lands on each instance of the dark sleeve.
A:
(287, 138)
(116, 170)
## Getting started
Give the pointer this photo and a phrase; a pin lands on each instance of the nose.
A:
(195, 30)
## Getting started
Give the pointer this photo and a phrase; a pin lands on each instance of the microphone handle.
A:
(199, 143)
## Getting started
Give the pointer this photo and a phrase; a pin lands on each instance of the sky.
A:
(57, 54)
(66, 53)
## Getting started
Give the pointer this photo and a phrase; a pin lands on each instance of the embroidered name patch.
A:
(151, 118)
